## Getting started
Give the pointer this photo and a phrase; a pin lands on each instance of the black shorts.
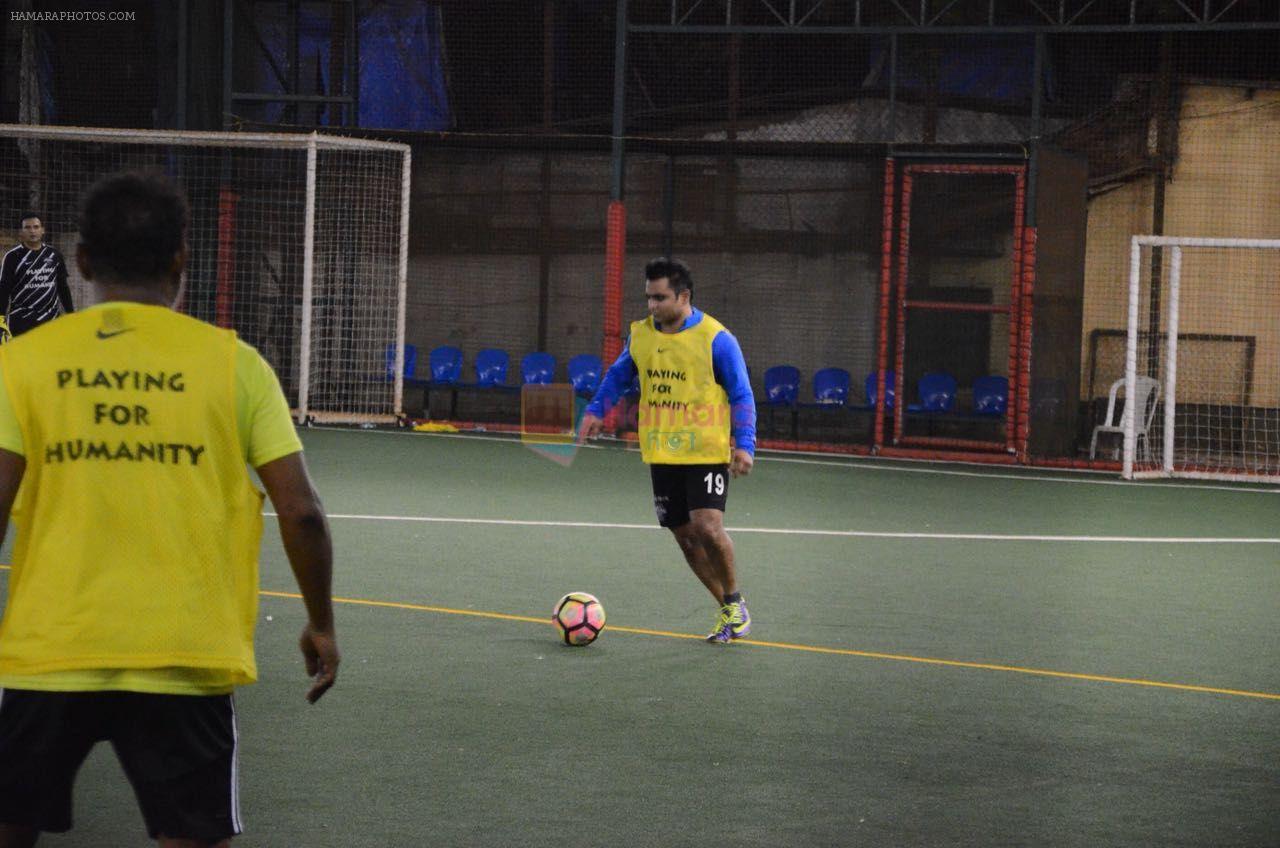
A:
(178, 751)
(678, 489)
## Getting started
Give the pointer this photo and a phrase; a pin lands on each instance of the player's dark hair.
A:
(676, 272)
(28, 215)
(131, 226)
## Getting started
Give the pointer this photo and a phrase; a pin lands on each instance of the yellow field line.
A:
(810, 649)
(815, 649)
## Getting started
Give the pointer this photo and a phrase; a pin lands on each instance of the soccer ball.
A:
(579, 618)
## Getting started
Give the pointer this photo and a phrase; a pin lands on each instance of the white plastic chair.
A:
(1148, 397)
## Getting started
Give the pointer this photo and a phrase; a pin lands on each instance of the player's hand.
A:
(320, 650)
(589, 427)
(740, 465)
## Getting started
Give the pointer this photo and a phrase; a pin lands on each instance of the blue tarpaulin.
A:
(402, 73)
(400, 61)
(991, 68)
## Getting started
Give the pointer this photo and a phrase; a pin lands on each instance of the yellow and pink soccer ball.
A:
(578, 618)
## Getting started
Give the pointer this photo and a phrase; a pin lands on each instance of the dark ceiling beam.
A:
(954, 17)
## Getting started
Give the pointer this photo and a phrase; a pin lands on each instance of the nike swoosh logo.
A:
(105, 335)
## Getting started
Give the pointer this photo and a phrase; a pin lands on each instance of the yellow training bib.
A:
(684, 412)
(137, 523)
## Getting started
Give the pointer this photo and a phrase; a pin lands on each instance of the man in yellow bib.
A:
(697, 428)
(126, 430)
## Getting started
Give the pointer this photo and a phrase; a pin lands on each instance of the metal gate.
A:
(954, 345)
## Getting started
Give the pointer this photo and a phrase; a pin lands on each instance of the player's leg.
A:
(707, 492)
(707, 525)
(180, 754)
(702, 561)
(671, 504)
(44, 739)
(698, 557)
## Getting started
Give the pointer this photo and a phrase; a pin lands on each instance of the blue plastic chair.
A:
(781, 385)
(831, 387)
(538, 368)
(491, 369)
(446, 365)
(782, 391)
(890, 389)
(410, 362)
(990, 395)
(937, 393)
(584, 373)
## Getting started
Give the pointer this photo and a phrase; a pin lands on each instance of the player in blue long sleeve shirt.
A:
(687, 418)
(730, 370)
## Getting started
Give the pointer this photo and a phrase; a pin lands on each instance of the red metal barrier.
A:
(886, 292)
(1024, 340)
(1012, 414)
(949, 456)
(1075, 464)
(614, 258)
(225, 299)
(812, 447)
(1017, 310)
(947, 442)
(900, 349)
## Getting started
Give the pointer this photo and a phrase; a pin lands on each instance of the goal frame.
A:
(1169, 388)
(312, 143)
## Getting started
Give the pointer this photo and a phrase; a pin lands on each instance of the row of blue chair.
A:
(936, 391)
(491, 367)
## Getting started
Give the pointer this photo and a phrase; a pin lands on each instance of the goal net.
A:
(1202, 359)
(297, 242)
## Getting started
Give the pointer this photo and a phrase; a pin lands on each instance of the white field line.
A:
(1034, 477)
(858, 534)
(860, 463)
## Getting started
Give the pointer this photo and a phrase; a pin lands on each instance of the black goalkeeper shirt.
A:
(33, 287)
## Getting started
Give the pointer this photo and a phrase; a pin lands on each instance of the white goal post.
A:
(1203, 355)
(299, 242)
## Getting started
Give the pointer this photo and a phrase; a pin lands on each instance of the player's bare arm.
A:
(12, 467)
(305, 531)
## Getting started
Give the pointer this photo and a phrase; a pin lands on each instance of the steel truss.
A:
(949, 16)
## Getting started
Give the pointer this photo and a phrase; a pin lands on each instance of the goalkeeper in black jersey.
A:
(33, 280)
